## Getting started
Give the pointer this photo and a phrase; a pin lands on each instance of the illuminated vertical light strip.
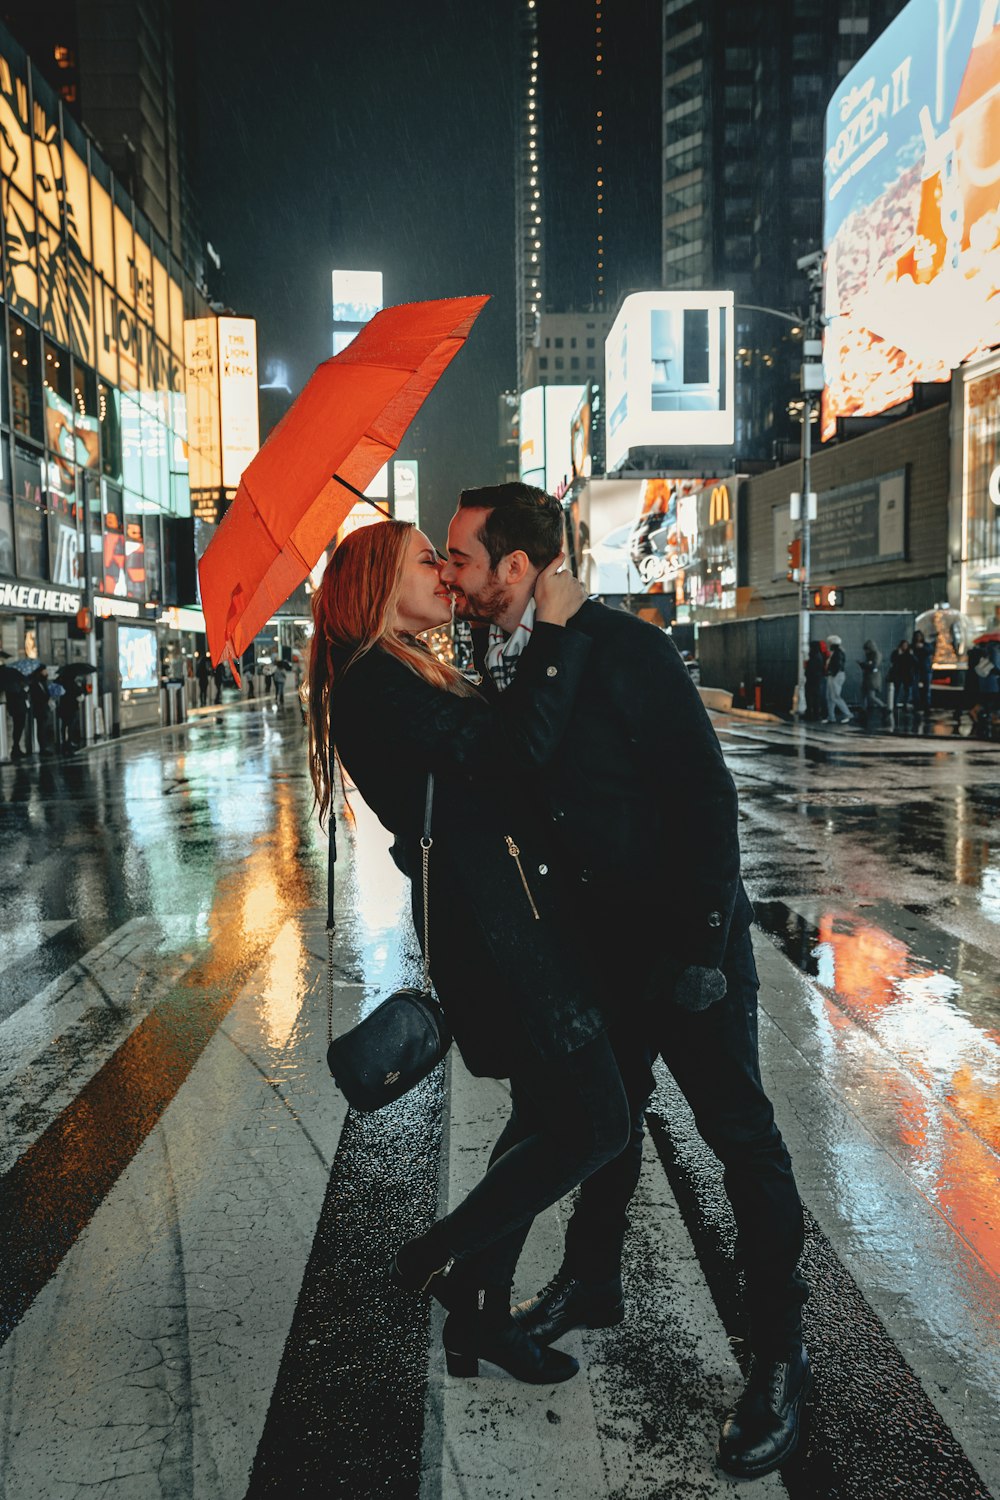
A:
(599, 140)
(529, 200)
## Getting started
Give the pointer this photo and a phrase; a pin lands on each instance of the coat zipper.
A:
(515, 855)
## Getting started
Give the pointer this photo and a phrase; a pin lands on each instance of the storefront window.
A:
(86, 418)
(25, 379)
(153, 563)
(6, 510)
(92, 521)
(65, 525)
(135, 557)
(109, 419)
(131, 444)
(30, 540)
(111, 580)
(57, 391)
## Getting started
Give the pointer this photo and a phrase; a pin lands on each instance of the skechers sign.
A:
(911, 220)
(669, 371)
(41, 601)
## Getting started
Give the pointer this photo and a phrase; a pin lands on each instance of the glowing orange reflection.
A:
(947, 1127)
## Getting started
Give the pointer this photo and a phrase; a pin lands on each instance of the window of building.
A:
(807, 46)
(30, 536)
(543, 363)
(853, 25)
(560, 362)
(574, 363)
(559, 343)
(7, 563)
(572, 343)
(26, 380)
(591, 362)
(590, 344)
(109, 420)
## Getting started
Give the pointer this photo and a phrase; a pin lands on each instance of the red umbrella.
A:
(990, 635)
(345, 424)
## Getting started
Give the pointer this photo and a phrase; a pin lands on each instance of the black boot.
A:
(568, 1302)
(501, 1342)
(763, 1429)
(425, 1265)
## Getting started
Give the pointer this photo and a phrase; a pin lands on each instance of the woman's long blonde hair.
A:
(354, 609)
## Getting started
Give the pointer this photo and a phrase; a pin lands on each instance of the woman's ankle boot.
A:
(467, 1340)
(425, 1265)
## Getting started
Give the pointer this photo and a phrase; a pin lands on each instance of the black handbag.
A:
(405, 1037)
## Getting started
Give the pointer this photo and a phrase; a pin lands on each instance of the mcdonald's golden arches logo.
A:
(718, 506)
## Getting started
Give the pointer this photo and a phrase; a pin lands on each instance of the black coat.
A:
(504, 977)
(643, 803)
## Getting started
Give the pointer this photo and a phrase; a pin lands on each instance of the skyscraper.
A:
(745, 87)
(588, 158)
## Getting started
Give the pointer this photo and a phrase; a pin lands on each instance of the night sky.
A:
(371, 136)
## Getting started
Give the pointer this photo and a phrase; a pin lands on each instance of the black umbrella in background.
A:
(75, 669)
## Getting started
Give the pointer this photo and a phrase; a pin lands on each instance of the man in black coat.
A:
(646, 811)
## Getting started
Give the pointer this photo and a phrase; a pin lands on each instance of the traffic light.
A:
(828, 597)
(794, 572)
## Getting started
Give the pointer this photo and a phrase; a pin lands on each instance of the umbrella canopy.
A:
(27, 666)
(346, 423)
(75, 669)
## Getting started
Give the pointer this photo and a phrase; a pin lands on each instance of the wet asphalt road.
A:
(194, 1231)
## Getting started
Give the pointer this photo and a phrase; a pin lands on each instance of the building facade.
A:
(745, 88)
(587, 164)
(96, 457)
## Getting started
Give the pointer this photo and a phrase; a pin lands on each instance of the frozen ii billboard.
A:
(911, 225)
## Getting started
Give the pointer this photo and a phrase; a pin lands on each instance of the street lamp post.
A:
(811, 385)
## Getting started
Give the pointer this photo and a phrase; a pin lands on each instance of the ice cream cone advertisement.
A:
(911, 223)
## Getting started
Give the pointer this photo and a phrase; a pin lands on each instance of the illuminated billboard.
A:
(911, 222)
(669, 373)
(137, 665)
(406, 490)
(545, 419)
(357, 296)
(238, 397)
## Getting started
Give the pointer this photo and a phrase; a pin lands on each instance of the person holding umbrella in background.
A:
(71, 679)
(12, 683)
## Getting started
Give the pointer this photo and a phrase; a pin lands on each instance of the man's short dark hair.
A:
(521, 519)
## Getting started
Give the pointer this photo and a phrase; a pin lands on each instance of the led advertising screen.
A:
(137, 665)
(669, 373)
(545, 422)
(911, 224)
(238, 397)
(357, 296)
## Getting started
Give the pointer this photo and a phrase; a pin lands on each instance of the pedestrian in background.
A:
(815, 683)
(279, 682)
(248, 672)
(38, 699)
(201, 672)
(66, 713)
(987, 671)
(17, 706)
(267, 673)
(836, 672)
(903, 671)
(871, 678)
(923, 657)
(220, 678)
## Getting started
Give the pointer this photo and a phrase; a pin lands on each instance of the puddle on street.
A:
(936, 1021)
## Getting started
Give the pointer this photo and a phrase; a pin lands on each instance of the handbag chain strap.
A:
(425, 857)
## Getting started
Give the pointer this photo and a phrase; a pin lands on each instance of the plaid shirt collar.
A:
(503, 650)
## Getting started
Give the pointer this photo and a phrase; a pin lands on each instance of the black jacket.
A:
(503, 976)
(643, 802)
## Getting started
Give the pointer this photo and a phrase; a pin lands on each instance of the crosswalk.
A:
(195, 1234)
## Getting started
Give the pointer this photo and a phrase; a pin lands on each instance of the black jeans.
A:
(712, 1055)
(571, 1119)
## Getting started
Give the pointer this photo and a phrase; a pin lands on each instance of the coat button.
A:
(557, 814)
(543, 869)
(585, 875)
(714, 919)
(551, 671)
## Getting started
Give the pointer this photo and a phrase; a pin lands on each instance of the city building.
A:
(745, 89)
(586, 166)
(567, 349)
(120, 393)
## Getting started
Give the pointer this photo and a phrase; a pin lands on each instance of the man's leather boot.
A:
(570, 1303)
(763, 1429)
